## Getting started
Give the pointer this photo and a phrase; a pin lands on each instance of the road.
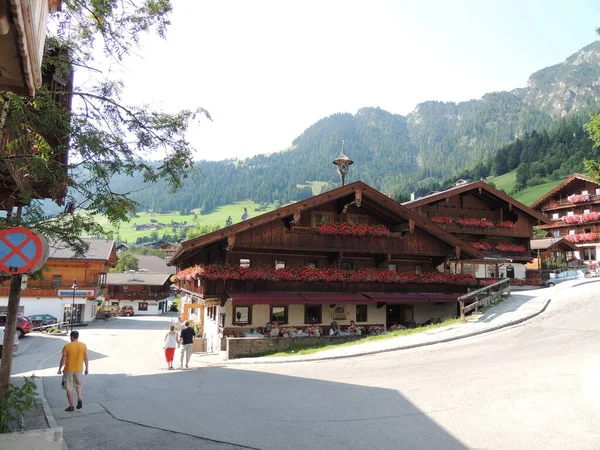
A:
(531, 386)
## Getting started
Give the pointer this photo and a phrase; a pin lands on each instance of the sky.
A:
(267, 70)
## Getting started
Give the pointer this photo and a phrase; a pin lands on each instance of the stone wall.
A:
(241, 347)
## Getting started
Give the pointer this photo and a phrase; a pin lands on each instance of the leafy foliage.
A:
(15, 403)
(126, 261)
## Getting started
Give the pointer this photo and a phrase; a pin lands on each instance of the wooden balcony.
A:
(43, 289)
(564, 203)
(488, 231)
(217, 288)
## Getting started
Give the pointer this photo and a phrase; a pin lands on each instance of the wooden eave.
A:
(575, 176)
(492, 192)
(312, 202)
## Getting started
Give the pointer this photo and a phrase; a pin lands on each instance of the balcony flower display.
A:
(582, 237)
(350, 229)
(442, 220)
(215, 272)
(571, 219)
(587, 217)
(506, 224)
(481, 245)
(579, 198)
(510, 248)
(473, 222)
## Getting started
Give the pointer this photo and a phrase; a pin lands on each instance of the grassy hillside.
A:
(527, 196)
(128, 233)
(505, 182)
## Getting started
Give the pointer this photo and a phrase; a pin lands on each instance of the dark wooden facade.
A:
(480, 201)
(577, 196)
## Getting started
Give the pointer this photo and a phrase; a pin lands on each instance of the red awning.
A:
(398, 298)
(265, 298)
(333, 298)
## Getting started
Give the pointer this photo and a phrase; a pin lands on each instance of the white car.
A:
(16, 345)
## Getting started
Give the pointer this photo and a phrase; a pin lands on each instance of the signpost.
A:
(22, 251)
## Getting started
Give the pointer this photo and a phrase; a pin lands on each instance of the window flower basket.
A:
(442, 220)
(579, 198)
(481, 245)
(590, 217)
(472, 222)
(571, 219)
(510, 248)
(582, 237)
(506, 224)
(350, 229)
(216, 272)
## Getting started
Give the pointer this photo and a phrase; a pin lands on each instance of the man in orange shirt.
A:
(73, 357)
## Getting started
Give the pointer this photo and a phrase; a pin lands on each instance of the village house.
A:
(56, 294)
(145, 292)
(489, 220)
(573, 212)
(348, 254)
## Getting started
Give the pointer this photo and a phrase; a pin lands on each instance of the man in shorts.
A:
(73, 357)
(187, 337)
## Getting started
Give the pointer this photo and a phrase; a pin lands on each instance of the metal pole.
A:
(73, 305)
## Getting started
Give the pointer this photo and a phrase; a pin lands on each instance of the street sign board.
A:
(76, 293)
(22, 250)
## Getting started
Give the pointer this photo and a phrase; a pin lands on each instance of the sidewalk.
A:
(512, 311)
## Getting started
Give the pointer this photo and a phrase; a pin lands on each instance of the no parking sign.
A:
(22, 250)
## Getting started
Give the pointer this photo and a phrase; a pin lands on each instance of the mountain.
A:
(391, 152)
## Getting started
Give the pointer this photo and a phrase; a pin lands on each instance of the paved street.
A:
(530, 386)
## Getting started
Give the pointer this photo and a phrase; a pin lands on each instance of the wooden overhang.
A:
(481, 189)
(575, 176)
(552, 243)
(390, 208)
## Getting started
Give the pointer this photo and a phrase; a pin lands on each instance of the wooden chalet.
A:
(145, 292)
(22, 40)
(54, 294)
(552, 252)
(488, 219)
(573, 212)
(285, 251)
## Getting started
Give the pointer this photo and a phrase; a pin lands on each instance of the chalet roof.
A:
(99, 249)
(367, 191)
(575, 176)
(472, 186)
(552, 242)
(137, 278)
(153, 264)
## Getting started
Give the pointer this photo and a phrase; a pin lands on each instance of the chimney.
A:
(412, 196)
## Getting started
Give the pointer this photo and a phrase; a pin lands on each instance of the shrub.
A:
(15, 403)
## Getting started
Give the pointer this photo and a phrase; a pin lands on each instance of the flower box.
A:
(442, 220)
(579, 198)
(506, 224)
(350, 229)
(472, 222)
(582, 237)
(510, 248)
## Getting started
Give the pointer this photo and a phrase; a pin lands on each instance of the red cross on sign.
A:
(21, 250)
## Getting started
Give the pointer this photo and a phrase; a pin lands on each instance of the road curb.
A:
(387, 350)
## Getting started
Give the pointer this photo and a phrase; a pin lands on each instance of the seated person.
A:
(334, 329)
(275, 330)
(252, 333)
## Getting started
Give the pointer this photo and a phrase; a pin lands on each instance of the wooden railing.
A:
(38, 291)
(492, 231)
(567, 203)
(483, 296)
(137, 296)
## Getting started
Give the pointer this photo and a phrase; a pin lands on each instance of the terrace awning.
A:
(331, 298)
(265, 298)
(398, 298)
(334, 298)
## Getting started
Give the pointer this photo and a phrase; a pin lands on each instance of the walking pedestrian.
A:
(187, 341)
(73, 357)
(171, 342)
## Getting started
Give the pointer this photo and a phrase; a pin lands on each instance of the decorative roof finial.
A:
(343, 163)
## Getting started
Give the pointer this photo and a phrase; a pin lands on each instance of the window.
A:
(347, 266)
(311, 264)
(597, 191)
(555, 215)
(242, 315)
(571, 232)
(211, 312)
(125, 288)
(357, 220)
(280, 264)
(143, 306)
(418, 268)
(393, 267)
(584, 192)
(319, 218)
(587, 230)
(244, 263)
(556, 233)
(279, 314)
(56, 280)
(570, 213)
(361, 313)
(586, 211)
(312, 314)
(467, 269)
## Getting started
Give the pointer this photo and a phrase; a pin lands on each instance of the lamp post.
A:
(73, 305)
(343, 163)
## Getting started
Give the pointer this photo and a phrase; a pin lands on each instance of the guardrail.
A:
(483, 296)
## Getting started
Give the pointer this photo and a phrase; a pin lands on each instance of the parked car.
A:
(567, 276)
(126, 311)
(46, 319)
(24, 325)
(15, 346)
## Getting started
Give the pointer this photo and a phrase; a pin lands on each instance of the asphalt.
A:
(519, 307)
